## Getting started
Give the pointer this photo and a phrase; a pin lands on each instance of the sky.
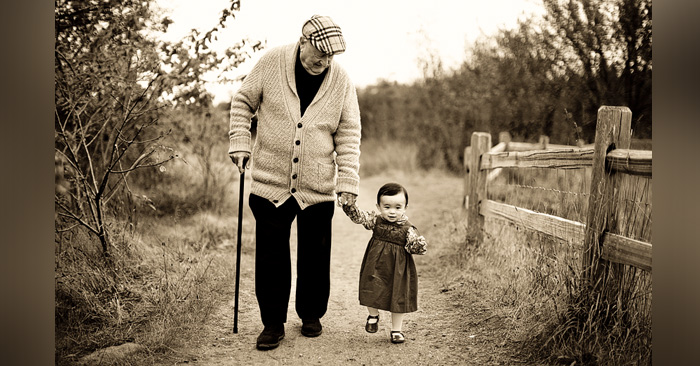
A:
(385, 39)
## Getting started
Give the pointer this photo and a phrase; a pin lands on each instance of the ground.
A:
(448, 328)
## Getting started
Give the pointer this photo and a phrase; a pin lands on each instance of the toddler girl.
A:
(388, 279)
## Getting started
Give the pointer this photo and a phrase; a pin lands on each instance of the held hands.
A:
(345, 198)
(240, 159)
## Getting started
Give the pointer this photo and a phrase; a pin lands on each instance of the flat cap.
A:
(324, 34)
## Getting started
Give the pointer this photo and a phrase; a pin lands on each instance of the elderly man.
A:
(306, 156)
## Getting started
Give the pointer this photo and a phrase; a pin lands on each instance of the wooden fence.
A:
(609, 158)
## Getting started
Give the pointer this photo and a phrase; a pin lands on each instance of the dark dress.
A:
(388, 277)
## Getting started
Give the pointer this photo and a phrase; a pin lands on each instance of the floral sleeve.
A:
(415, 244)
(361, 217)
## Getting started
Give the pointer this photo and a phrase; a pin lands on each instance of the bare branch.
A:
(63, 230)
(151, 165)
(102, 126)
(113, 190)
(71, 215)
(87, 152)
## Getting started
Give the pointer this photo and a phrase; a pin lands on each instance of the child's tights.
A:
(396, 319)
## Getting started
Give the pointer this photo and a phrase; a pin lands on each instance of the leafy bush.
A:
(545, 77)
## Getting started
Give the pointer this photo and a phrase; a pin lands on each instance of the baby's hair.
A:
(392, 189)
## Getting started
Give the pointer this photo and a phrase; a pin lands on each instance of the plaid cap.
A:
(324, 34)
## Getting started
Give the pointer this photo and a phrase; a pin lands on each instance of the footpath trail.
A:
(444, 331)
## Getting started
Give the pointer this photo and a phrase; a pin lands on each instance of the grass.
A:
(531, 282)
(538, 277)
(173, 268)
(173, 264)
(387, 156)
(161, 290)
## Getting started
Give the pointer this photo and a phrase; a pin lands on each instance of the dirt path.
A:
(444, 331)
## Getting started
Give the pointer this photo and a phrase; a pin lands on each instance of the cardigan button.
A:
(296, 160)
(294, 190)
(299, 125)
(294, 176)
(297, 142)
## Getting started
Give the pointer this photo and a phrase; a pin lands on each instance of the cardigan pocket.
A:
(269, 169)
(324, 178)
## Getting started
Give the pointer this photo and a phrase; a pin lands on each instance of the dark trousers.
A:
(273, 267)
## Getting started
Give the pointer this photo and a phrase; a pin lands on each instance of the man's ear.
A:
(302, 39)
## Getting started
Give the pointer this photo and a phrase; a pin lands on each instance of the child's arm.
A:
(415, 243)
(359, 216)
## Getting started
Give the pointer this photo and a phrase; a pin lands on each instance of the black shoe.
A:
(311, 328)
(270, 338)
(372, 327)
(397, 337)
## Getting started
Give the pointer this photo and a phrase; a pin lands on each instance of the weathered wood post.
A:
(504, 136)
(544, 141)
(467, 169)
(504, 139)
(613, 130)
(480, 144)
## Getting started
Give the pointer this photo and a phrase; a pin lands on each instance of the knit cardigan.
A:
(309, 158)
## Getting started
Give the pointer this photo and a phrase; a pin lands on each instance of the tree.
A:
(606, 46)
(547, 76)
(113, 81)
(551, 76)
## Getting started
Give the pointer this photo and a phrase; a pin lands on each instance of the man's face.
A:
(313, 60)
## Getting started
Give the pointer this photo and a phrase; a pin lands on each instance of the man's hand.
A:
(240, 159)
(345, 198)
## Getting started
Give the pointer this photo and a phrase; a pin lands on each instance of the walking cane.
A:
(238, 252)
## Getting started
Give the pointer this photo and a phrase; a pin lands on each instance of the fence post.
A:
(467, 169)
(480, 144)
(504, 136)
(544, 141)
(613, 130)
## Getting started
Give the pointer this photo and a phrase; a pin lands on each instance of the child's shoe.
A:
(372, 327)
(397, 337)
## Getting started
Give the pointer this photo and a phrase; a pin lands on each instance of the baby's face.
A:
(391, 208)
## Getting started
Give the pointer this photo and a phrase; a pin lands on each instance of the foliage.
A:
(123, 98)
(606, 44)
(546, 77)
(403, 113)
(114, 80)
(202, 178)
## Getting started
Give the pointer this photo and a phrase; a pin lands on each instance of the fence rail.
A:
(571, 158)
(555, 226)
(634, 162)
(596, 237)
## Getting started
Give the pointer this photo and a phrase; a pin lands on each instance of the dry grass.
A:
(174, 257)
(387, 156)
(531, 283)
(542, 286)
(172, 271)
